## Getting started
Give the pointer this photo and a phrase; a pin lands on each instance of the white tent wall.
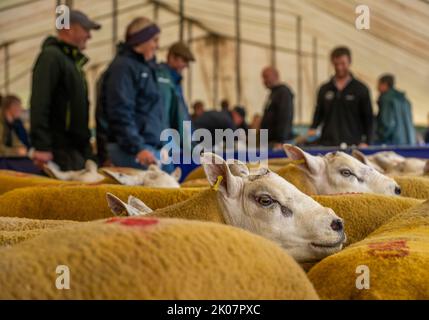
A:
(398, 42)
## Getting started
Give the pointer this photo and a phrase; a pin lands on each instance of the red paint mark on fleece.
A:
(389, 249)
(133, 222)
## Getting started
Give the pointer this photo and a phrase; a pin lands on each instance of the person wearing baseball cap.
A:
(59, 107)
(131, 99)
(170, 75)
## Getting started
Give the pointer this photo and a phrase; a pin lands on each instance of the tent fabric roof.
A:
(397, 42)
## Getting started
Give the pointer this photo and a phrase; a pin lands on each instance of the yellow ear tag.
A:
(218, 181)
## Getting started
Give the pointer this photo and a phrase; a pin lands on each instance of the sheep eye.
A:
(346, 173)
(265, 200)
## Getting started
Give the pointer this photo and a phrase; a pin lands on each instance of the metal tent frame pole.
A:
(114, 25)
(215, 70)
(299, 66)
(182, 19)
(315, 68)
(237, 50)
(273, 32)
(190, 69)
(6, 67)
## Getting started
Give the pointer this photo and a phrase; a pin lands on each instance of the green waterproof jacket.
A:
(175, 106)
(59, 106)
(394, 120)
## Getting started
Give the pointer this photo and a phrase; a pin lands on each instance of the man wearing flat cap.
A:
(170, 75)
(59, 100)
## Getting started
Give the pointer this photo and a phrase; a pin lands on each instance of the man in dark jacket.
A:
(344, 108)
(59, 108)
(278, 112)
(132, 99)
(394, 120)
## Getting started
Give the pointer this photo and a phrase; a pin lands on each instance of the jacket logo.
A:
(163, 80)
(145, 75)
(350, 97)
(329, 95)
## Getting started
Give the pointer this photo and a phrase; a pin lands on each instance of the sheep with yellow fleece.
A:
(395, 260)
(147, 258)
(10, 180)
(414, 187)
(15, 230)
(362, 213)
(80, 202)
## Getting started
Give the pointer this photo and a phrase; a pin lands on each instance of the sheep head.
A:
(266, 204)
(152, 177)
(338, 172)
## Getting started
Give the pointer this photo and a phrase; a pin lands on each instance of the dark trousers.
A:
(72, 158)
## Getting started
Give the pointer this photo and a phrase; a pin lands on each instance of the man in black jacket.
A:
(59, 101)
(278, 112)
(344, 108)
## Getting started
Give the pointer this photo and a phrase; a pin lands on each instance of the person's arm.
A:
(283, 116)
(121, 94)
(319, 115)
(16, 148)
(46, 74)
(366, 115)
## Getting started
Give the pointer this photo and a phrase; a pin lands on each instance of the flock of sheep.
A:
(312, 207)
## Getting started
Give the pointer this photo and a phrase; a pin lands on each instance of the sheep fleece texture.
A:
(147, 258)
(362, 213)
(81, 202)
(15, 230)
(397, 255)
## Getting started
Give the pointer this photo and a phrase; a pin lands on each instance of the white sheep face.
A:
(266, 204)
(393, 164)
(338, 172)
(153, 177)
(87, 175)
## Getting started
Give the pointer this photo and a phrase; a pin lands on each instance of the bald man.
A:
(278, 112)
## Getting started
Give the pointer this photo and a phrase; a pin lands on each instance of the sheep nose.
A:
(397, 190)
(337, 225)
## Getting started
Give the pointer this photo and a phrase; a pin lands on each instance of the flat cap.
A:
(180, 49)
(82, 19)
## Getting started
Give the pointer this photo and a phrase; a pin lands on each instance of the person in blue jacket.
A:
(133, 104)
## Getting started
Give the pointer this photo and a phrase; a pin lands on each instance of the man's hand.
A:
(278, 146)
(21, 151)
(145, 158)
(40, 158)
(311, 132)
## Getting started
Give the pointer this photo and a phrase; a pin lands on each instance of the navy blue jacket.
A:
(133, 103)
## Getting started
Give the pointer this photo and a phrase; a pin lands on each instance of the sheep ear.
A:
(122, 178)
(310, 163)
(426, 169)
(238, 168)
(51, 169)
(154, 167)
(365, 160)
(360, 156)
(120, 208)
(139, 205)
(215, 167)
(177, 174)
(91, 166)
